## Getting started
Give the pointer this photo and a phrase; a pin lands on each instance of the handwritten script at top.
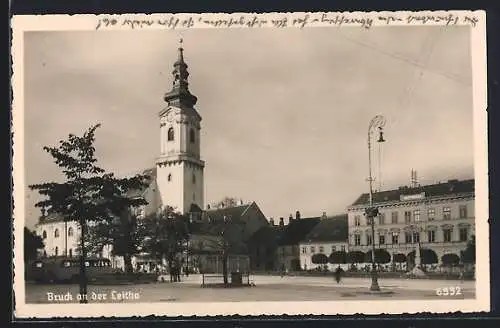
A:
(286, 20)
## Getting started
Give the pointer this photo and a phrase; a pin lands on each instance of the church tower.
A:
(179, 166)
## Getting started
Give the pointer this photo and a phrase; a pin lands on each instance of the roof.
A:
(150, 176)
(218, 215)
(451, 187)
(332, 229)
(267, 234)
(296, 230)
(51, 218)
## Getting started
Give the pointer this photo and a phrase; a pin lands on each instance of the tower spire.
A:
(180, 95)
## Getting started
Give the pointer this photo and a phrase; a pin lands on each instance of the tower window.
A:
(169, 178)
(44, 234)
(56, 251)
(170, 134)
(194, 178)
(70, 232)
(56, 233)
(192, 137)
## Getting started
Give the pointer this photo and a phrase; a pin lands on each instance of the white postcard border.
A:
(20, 24)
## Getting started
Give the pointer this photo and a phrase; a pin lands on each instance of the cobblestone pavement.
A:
(267, 288)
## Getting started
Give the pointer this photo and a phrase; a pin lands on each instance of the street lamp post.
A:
(378, 122)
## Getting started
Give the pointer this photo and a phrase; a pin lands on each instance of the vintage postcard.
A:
(250, 164)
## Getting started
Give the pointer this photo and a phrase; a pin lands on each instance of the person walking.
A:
(338, 274)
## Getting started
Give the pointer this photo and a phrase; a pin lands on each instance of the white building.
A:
(330, 235)
(439, 217)
(61, 238)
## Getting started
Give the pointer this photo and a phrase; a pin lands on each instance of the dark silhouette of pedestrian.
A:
(338, 274)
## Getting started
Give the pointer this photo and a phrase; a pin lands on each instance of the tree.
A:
(337, 257)
(427, 256)
(319, 259)
(399, 258)
(121, 232)
(381, 256)
(468, 256)
(355, 257)
(88, 193)
(228, 241)
(226, 202)
(164, 235)
(32, 243)
(450, 259)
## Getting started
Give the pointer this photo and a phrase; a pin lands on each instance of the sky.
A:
(285, 111)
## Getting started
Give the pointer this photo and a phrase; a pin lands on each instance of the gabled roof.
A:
(218, 215)
(296, 230)
(331, 229)
(452, 187)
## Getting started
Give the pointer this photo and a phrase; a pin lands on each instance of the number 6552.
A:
(449, 291)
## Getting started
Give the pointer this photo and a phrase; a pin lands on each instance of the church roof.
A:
(219, 214)
(452, 187)
(331, 229)
(150, 176)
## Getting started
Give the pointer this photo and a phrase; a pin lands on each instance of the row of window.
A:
(170, 135)
(322, 249)
(414, 237)
(415, 216)
(56, 233)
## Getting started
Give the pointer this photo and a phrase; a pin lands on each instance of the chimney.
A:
(271, 221)
(282, 222)
(297, 215)
(324, 215)
(290, 218)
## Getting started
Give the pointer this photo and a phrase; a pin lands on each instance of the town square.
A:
(238, 165)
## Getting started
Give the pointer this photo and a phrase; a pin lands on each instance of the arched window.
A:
(70, 232)
(56, 233)
(170, 134)
(194, 197)
(56, 251)
(192, 137)
(44, 234)
(169, 178)
(71, 252)
(194, 178)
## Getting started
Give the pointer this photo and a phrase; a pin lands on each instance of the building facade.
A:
(288, 252)
(61, 238)
(438, 217)
(330, 235)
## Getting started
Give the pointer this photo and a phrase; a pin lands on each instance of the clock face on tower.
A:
(172, 113)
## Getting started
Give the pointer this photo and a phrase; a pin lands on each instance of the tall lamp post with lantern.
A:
(376, 124)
